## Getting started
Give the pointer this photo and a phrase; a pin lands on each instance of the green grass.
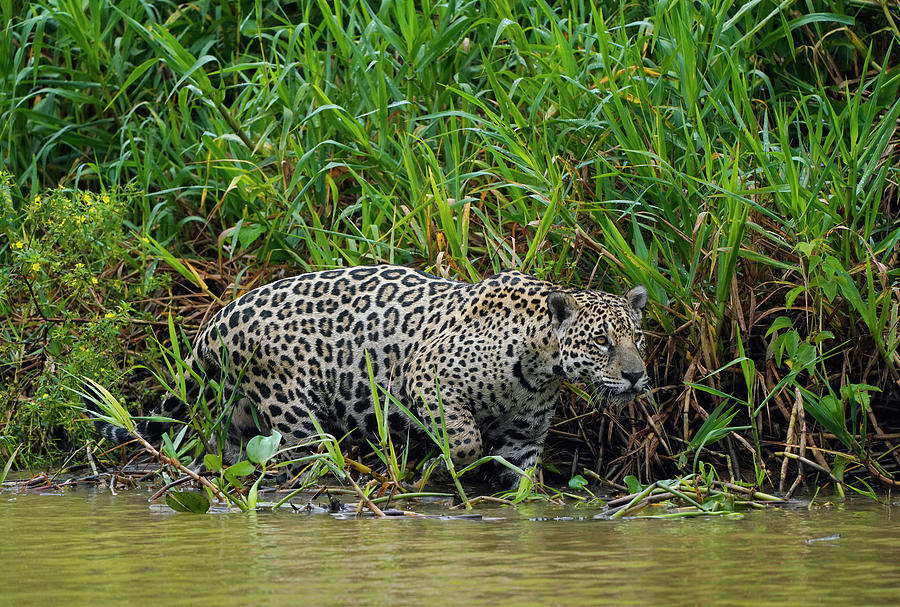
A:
(736, 158)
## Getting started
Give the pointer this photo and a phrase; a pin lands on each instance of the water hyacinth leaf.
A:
(234, 472)
(633, 484)
(577, 482)
(187, 501)
(212, 462)
(260, 449)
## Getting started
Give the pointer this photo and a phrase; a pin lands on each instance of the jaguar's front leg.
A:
(431, 392)
(463, 438)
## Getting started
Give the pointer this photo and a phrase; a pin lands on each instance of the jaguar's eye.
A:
(602, 340)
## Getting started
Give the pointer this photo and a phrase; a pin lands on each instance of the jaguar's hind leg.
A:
(243, 424)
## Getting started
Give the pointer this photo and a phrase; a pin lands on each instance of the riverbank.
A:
(739, 161)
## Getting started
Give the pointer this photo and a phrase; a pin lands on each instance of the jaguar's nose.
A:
(633, 376)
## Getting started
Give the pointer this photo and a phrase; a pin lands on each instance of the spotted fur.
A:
(494, 352)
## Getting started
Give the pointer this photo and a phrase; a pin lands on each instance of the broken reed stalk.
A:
(636, 499)
(809, 462)
(789, 439)
(363, 498)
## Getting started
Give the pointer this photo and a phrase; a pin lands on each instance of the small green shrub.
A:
(69, 282)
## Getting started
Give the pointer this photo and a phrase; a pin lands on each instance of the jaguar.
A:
(493, 355)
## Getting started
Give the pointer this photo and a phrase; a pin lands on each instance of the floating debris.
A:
(827, 538)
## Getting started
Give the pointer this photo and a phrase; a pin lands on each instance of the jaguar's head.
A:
(601, 341)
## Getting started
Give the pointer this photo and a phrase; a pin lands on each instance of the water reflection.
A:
(87, 546)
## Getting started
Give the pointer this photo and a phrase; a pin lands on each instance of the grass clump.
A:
(736, 158)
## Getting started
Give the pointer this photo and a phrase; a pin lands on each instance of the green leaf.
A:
(828, 411)
(260, 449)
(822, 336)
(169, 447)
(234, 473)
(577, 482)
(792, 296)
(187, 501)
(242, 468)
(253, 493)
(248, 233)
(113, 411)
(525, 488)
(9, 463)
(634, 486)
(829, 288)
(714, 428)
(806, 248)
(782, 322)
(212, 462)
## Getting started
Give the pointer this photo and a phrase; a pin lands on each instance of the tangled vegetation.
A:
(738, 159)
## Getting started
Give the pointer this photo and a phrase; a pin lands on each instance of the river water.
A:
(87, 547)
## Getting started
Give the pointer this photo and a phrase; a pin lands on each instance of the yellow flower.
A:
(18, 245)
(94, 280)
(109, 315)
(35, 267)
(105, 199)
(78, 266)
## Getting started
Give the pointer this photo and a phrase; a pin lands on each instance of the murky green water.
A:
(90, 548)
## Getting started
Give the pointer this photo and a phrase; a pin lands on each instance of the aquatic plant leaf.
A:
(260, 449)
(212, 462)
(633, 484)
(577, 482)
(187, 501)
(242, 468)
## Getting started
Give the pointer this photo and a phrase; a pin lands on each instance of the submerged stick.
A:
(167, 486)
(484, 498)
(175, 463)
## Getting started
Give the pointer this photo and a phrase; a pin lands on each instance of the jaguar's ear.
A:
(563, 308)
(637, 298)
